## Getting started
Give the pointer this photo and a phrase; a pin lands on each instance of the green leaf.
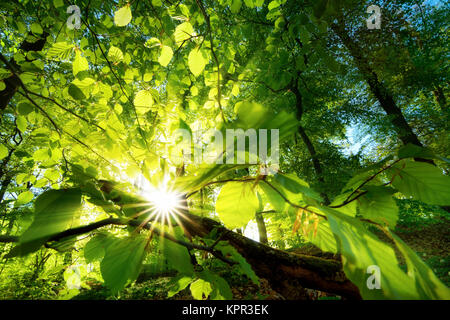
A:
(414, 151)
(115, 55)
(236, 204)
(52, 174)
(428, 285)
(236, 6)
(295, 185)
(275, 199)
(153, 42)
(25, 108)
(220, 288)
(60, 50)
(42, 155)
(361, 249)
(249, 3)
(177, 284)
(196, 61)
(21, 123)
(36, 28)
(177, 256)
(422, 181)
(183, 32)
(24, 198)
(76, 92)
(143, 101)
(3, 151)
(122, 262)
(123, 16)
(165, 56)
(40, 183)
(95, 248)
(230, 252)
(54, 211)
(323, 237)
(250, 114)
(255, 116)
(273, 4)
(200, 289)
(203, 175)
(79, 64)
(349, 209)
(58, 3)
(379, 206)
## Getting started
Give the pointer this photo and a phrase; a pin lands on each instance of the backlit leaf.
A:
(196, 61)
(165, 56)
(236, 204)
(122, 262)
(422, 181)
(123, 16)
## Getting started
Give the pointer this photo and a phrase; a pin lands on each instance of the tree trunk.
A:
(440, 97)
(287, 273)
(384, 97)
(262, 231)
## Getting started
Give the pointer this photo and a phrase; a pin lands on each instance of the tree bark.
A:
(262, 231)
(287, 273)
(440, 97)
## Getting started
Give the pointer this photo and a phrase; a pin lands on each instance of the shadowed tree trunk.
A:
(288, 273)
(262, 231)
(378, 89)
(440, 97)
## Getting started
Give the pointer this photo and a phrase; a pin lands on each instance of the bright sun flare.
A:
(164, 202)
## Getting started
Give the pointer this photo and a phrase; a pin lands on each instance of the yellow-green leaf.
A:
(200, 289)
(115, 55)
(79, 64)
(196, 62)
(165, 56)
(123, 16)
(36, 28)
(236, 204)
(3, 151)
(21, 123)
(24, 198)
(143, 101)
(236, 6)
(183, 32)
